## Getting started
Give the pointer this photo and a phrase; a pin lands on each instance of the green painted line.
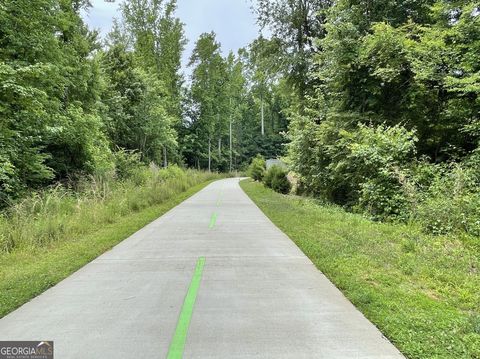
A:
(179, 338)
(213, 220)
(219, 200)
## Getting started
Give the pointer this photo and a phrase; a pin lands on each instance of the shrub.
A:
(276, 179)
(256, 170)
(268, 177)
(127, 163)
(374, 170)
(171, 172)
(281, 184)
(382, 197)
(452, 201)
(366, 168)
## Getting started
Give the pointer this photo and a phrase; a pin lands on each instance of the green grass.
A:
(52, 235)
(423, 292)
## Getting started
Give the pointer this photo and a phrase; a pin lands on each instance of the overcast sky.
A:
(232, 21)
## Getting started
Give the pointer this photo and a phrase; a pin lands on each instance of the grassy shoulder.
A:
(423, 292)
(31, 268)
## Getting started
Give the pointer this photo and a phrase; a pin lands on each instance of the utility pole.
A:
(263, 121)
(231, 149)
(210, 153)
(219, 140)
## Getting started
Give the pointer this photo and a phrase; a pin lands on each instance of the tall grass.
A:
(63, 214)
(422, 291)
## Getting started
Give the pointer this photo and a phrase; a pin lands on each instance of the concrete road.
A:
(257, 294)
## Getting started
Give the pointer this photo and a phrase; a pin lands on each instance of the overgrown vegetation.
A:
(372, 99)
(59, 213)
(420, 290)
(69, 100)
(385, 112)
(50, 234)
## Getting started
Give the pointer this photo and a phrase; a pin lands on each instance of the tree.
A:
(208, 96)
(294, 25)
(403, 72)
(263, 71)
(158, 41)
(49, 99)
(391, 78)
(142, 63)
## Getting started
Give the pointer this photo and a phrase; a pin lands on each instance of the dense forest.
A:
(74, 105)
(384, 118)
(387, 121)
(374, 105)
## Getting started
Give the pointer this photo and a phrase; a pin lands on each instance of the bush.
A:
(363, 167)
(171, 172)
(256, 170)
(281, 184)
(268, 177)
(374, 170)
(127, 163)
(383, 197)
(452, 202)
(276, 179)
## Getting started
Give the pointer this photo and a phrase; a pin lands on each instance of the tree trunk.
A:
(165, 162)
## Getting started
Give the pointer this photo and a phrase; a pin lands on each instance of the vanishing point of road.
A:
(212, 278)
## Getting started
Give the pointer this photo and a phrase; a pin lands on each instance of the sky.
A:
(232, 21)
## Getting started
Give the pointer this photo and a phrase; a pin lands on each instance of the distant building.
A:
(276, 162)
